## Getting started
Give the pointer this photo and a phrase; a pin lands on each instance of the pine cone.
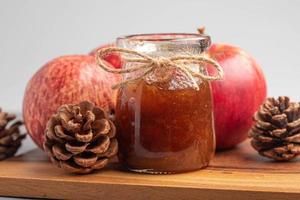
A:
(276, 133)
(80, 138)
(10, 136)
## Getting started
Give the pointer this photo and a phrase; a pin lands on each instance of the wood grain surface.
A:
(236, 174)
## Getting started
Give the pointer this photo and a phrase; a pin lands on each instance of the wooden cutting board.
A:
(236, 174)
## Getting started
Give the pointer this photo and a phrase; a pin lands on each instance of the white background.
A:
(33, 32)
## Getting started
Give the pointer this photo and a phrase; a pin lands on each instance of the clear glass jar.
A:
(164, 124)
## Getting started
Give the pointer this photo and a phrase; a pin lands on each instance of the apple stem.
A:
(201, 30)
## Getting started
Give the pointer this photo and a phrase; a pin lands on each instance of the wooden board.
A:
(234, 174)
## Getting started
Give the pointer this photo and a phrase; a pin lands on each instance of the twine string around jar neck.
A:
(149, 64)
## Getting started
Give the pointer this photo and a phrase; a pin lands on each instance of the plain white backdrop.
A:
(32, 32)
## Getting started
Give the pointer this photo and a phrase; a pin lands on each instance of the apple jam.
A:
(164, 124)
(167, 131)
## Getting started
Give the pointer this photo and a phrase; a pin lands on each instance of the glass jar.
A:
(164, 124)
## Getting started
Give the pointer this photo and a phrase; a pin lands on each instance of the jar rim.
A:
(165, 42)
(165, 37)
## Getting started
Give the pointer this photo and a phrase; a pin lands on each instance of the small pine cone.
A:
(10, 136)
(276, 132)
(80, 138)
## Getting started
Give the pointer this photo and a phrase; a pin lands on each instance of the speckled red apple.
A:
(237, 96)
(67, 79)
(114, 58)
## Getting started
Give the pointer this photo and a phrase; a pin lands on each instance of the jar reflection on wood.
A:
(164, 124)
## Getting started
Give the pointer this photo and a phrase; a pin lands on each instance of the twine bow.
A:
(149, 64)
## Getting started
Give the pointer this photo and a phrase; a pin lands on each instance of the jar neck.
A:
(166, 44)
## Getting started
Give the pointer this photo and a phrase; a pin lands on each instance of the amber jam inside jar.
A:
(164, 124)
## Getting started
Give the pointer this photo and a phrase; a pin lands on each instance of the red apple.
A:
(67, 79)
(114, 59)
(237, 96)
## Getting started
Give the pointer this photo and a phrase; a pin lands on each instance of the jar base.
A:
(149, 171)
(155, 172)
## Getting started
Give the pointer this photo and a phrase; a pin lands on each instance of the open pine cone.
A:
(80, 138)
(276, 133)
(10, 136)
